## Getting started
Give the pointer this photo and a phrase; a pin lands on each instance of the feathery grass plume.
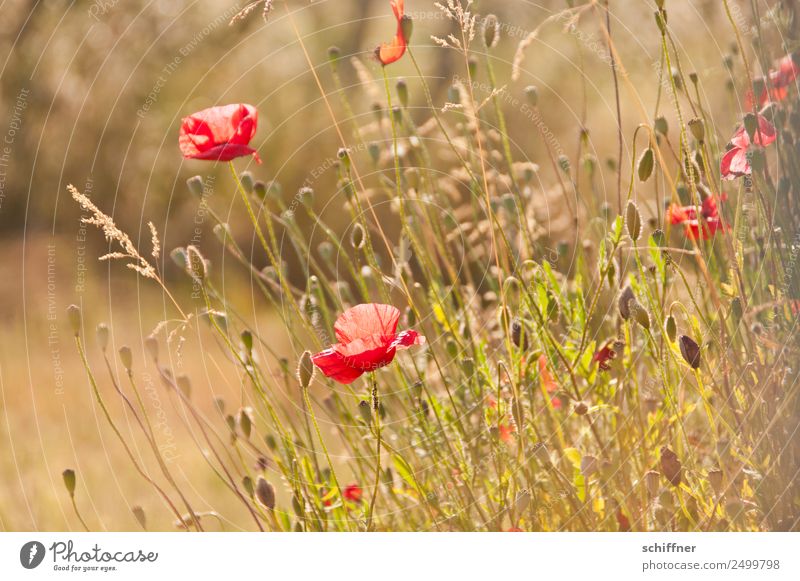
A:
(113, 234)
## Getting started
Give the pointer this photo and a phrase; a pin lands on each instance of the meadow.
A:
(505, 268)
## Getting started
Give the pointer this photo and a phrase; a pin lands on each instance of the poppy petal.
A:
(407, 338)
(367, 320)
(333, 365)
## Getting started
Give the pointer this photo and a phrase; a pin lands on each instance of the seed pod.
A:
(126, 357)
(670, 328)
(265, 493)
(581, 408)
(196, 186)
(690, 351)
(246, 179)
(491, 31)
(646, 164)
(141, 517)
(640, 314)
(305, 370)
(260, 190)
(365, 411)
(670, 466)
(74, 318)
(660, 125)
(624, 302)
(633, 221)
(519, 335)
(698, 129)
(102, 336)
(247, 484)
(651, 480)
(751, 126)
(407, 27)
(69, 481)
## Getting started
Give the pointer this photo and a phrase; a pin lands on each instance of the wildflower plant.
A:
(646, 382)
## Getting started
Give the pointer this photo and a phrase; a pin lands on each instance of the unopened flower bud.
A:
(671, 467)
(633, 221)
(69, 481)
(402, 92)
(491, 31)
(698, 129)
(532, 93)
(305, 370)
(624, 301)
(670, 328)
(196, 186)
(690, 351)
(102, 336)
(265, 493)
(126, 357)
(74, 318)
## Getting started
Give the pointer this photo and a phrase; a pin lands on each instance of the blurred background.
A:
(92, 94)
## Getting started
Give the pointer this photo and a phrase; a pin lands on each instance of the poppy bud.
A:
(126, 357)
(245, 422)
(402, 92)
(698, 129)
(141, 517)
(751, 126)
(102, 336)
(661, 21)
(581, 408)
(491, 31)
(651, 479)
(196, 263)
(357, 236)
(333, 57)
(374, 151)
(69, 481)
(365, 411)
(219, 403)
(151, 345)
(624, 300)
(660, 125)
(306, 196)
(716, 480)
(74, 318)
(646, 164)
(670, 328)
(563, 163)
(246, 179)
(178, 256)
(260, 190)
(247, 484)
(633, 221)
(640, 314)
(196, 186)
(532, 93)
(518, 335)
(589, 465)
(305, 370)
(265, 493)
(185, 385)
(407, 27)
(690, 351)
(671, 466)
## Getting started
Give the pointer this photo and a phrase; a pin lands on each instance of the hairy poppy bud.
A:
(402, 92)
(245, 422)
(670, 328)
(690, 351)
(640, 314)
(365, 411)
(265, 493)
(246, 179)
(102, 336)
(491, 31)
(178, 256)
(333, 57)
(126, 357)
(151, 345)
(581, 408)
(305, 370)
(532, 93)
(247, 484)
(624, 300)
(74, 318)
(196, 186)
(651, 479)
(357, 236)
(646, 164)
(670, 466)
(660, 125)
(196, 263)
(633, 221)
(698, 129)
(69, 481)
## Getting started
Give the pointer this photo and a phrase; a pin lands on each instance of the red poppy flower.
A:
(547, 380)
(219, 133)
(506, 431)
(514, 530)
(389, 53)
(734, 163)
(780, 80)
(604, 356)
(368, 340)
(687, 216)
(353, 493)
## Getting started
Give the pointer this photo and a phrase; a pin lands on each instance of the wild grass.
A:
(638, 380)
